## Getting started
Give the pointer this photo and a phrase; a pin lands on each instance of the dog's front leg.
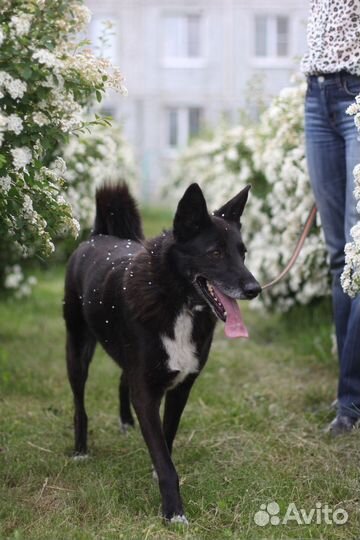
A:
(147, 407)
(175, 402)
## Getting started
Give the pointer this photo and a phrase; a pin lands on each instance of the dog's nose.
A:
(252, 289)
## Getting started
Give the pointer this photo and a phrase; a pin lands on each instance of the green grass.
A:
(155, 220)
(252, 433)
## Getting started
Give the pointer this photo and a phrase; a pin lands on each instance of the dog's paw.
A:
(179, 519)
(80, 457)
(125, 427)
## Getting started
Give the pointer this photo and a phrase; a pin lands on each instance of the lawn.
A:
(252, 433)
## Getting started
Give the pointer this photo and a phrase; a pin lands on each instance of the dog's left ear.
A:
(191, 215)
(233, 209)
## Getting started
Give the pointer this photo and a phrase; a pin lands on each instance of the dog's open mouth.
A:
(224, 307)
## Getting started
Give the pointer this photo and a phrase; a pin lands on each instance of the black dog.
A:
(153, 306)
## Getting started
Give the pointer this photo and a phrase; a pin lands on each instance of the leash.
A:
(308, 224)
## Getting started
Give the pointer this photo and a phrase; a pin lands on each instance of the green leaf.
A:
(27, 72)
(2, 160)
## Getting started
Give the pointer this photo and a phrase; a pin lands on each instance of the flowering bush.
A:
(279, 151)
(220, 164)
(99, 155)
(46, 79)
(16, 281)
(280, 201)
(350, 278)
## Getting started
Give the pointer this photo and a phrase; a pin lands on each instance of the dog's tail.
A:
(117, 213)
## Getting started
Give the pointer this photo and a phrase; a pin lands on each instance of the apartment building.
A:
(190, 64)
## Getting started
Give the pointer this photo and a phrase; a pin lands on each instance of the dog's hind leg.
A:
(126, 417)
(175, 402)
(79, 352)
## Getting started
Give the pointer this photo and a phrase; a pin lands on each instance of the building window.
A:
(271, 36)
(194, 121)
(182, 36)
(182, 123)
(173, 128)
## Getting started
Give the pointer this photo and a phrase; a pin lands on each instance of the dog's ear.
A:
(191, 215)
(233, 209)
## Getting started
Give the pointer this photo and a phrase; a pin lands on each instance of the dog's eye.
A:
(215, 254)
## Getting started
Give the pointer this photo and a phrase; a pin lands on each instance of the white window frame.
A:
(185, 61)
(183, 126)
(272, 60)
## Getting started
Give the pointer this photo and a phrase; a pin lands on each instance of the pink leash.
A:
(308, 224)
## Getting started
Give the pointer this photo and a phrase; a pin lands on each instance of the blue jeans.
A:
(333, 150)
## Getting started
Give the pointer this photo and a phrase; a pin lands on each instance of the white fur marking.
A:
(80, 457)
(181, 350)
(124, 428)
(179, 519)
(154, 475)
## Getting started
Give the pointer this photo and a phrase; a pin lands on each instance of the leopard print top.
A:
(333, 36)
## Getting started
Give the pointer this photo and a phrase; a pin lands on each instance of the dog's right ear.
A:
(233, 209)
(191, 215)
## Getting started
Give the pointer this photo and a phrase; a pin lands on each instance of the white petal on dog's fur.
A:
(181, 350)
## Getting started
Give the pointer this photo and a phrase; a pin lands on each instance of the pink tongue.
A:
(234, 326)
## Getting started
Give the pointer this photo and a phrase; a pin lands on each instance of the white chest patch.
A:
(181, 350)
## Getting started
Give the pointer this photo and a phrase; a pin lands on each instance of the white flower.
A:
(59, 166)
(43, 56)
(21, 24)
(75, 227)
(15, 124)
(356, 171)
(82, 14)
(27, 205)
(60, 199)
(50, 246)
(355, 232)
(357, 120)
(40, 119)
(21, 157)
(5, 183)
(232, 154)
(14, 276)
(350, 278)
(2, 37)
(16, 88)
(12, 281)
(15, 280)
(3, 122)
(352, 109)
(3, 77)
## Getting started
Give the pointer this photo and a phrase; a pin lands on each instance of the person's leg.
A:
(325, 152)
(349, 380)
